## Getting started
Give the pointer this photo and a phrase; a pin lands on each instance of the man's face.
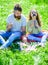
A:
(17, 14)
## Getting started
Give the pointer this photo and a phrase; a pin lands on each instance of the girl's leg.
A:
(39, 34)
(42, 35)
(43, 39)
(11, 39)
(31, 37)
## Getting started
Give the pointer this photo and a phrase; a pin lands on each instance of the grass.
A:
(13, 57)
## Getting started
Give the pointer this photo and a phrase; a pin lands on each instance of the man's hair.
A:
(18, 7)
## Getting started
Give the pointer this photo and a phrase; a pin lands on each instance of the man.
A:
(16, 27)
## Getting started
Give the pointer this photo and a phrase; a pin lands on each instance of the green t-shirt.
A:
(33, 29)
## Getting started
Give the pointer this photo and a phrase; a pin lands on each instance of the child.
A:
(34, 29)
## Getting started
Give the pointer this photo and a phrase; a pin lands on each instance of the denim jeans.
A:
(11, 37)
(36, 38)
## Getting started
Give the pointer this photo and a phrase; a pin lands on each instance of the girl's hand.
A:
(27, 34)
(31, 25)
(24, 39)
(36, 26)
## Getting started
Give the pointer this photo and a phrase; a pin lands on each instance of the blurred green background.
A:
(6, 8)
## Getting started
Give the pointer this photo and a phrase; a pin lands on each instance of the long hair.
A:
(37, 17)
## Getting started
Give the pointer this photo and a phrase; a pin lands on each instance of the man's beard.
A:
(18, 17)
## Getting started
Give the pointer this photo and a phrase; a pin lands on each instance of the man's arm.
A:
(9, 27)
(9, 23)
(23, 28)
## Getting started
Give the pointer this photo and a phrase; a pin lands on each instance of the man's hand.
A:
(9, 26)
(23, 28)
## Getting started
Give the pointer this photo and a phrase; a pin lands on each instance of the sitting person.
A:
(34, 29)
(16, 27)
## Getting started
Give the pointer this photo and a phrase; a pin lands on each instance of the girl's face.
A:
(33, 14)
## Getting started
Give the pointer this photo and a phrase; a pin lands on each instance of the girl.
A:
(34, 29)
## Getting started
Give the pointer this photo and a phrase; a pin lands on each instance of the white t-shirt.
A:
(17, 24)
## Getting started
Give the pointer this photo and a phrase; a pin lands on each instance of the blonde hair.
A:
(37, 17)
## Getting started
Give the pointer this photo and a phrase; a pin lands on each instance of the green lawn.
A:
(13, 57)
